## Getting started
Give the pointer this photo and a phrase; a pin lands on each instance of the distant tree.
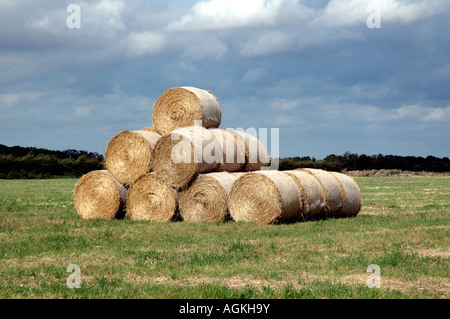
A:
(353, 161)
(29, 162)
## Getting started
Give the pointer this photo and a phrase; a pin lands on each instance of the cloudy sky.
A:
(312, 68)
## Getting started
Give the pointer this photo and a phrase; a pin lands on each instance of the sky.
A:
(364, 76)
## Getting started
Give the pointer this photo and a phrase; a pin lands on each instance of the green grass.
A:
(403, 227)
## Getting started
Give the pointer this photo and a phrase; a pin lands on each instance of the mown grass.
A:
(403, 227)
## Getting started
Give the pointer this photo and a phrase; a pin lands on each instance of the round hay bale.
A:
(256, 156)
(233, 147)
(149, 198)
(187, 151)
(238, 174)
(98, 195)
(264, 197)
(206, 198)
(331, 188)
(181, 106)
(313, 197)
(129, 153)
(150, 129)
(352, 199)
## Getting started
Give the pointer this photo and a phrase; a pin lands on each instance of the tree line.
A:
(352, 161)
(29, 162)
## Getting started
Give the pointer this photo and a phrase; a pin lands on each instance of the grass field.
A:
(403, 228)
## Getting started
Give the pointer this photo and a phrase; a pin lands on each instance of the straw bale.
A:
(129, 153)
(98, 195)
(181, 106)
(264, 197)
(151, 199)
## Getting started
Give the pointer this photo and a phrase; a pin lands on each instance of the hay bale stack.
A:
(181, 106)
(331, 188)
(312, 194)
(150, 198)
(187, 151)
(233, 147)
(264, 197)
(206, 198)
(98, 195)
(129, 153)
(185, 164)
(256, 156)
(352, 200)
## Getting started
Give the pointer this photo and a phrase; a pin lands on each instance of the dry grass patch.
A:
(433, 253)
(438, 285)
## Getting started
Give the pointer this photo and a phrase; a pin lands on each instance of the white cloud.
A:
(367, 113)
(144, 43)
(279, 40)
(41, 24)
(411, 11)
(322, 110)
(286, 120)
(81, 111)
(8, 100)
(104, 16)
(437, 115)
(4, 4)
(406, 111)
(283, 104)
(421, 113)
(226, 14)
(267, 43)
(107, 13)
(254, 75)
(204, 48)
(353, 12)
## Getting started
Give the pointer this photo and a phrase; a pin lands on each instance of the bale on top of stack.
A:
(181, 106)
